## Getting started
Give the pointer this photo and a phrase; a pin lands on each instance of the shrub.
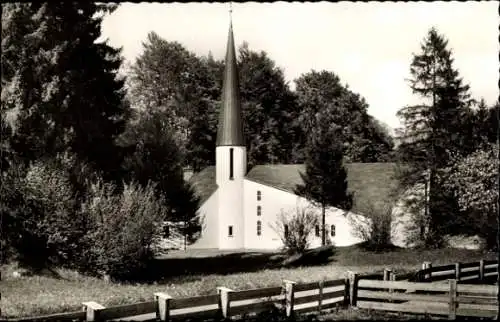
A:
(295, 228)
(375, 227)
(40, 212)
(122, 230)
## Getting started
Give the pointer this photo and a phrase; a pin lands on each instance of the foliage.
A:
(156, 157)
(38, 212)
(433, 130)
(122, 228)
(375, 226)
(475, 181)
(60, 85)
(364, 139)
(269, 108)
(181, 89)
(294, 229)
(325, 178)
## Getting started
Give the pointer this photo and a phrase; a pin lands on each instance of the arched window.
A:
(259, 210)
(332, 230)
(317, 230)
(286, 230)
(259, 228)
(259, 195)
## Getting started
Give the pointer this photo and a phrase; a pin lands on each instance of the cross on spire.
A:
(230, 11)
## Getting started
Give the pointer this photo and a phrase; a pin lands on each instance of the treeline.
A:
(449, 146)
(184, 90)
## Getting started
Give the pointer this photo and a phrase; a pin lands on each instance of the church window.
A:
(317, 230)
(259, 228)
(230, 232)
(332, 230)
(259, 195)
(286, 230)
(231, 163)
(259, 210)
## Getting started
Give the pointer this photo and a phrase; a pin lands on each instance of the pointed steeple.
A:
(230, 130)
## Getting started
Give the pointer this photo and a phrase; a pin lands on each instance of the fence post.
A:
(353, 288)
(162, 306)
(387, 273)
(427, 276)
(392, 278)
(92, 309)
(346, 290)
(481, 270)
(224, 300)
(457, 271)
(453, 299)
(320, 300)
(289, 297)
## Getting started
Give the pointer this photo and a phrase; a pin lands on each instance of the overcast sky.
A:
(369, 45)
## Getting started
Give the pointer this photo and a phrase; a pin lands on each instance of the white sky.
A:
(369, 45)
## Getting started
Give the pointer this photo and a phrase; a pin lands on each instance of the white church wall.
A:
(273, 202)
(209, 237)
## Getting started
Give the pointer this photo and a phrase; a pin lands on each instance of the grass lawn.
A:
(36, 295)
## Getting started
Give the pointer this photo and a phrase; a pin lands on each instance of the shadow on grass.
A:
(188, 268)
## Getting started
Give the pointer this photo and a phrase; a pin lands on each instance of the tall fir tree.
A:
(432, 133)
(325, 177)
(60, 84)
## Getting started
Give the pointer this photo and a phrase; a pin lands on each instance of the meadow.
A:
(190, 273)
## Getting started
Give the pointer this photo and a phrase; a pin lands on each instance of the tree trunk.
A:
(323, 230)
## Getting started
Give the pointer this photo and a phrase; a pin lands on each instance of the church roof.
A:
(230, 130)
(368, 181)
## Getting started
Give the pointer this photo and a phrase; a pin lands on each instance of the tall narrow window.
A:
(259, 195)
(259, 210)
(317, 231)
(259, 228)
(332, 230)
(230, 231)
(286, 230)
(231, 163)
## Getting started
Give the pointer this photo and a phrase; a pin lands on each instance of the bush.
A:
(39, 211)
(122, 229)
(294, 229)
(375, 227)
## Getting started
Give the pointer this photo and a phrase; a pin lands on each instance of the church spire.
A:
(230, 130)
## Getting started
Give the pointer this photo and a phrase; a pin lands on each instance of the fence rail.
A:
(386, 291)
(459, 300)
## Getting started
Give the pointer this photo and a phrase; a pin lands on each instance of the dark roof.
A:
(230, 130)
(368, 181)
(203, 183)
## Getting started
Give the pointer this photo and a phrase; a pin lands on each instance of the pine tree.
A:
(60, 83)
(432, 133)
(325, 178)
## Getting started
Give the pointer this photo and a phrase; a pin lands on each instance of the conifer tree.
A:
(325, 178)
(432, 133)
(60, 83)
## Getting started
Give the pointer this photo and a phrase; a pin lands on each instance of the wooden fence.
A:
(475, 271)
(387, 291)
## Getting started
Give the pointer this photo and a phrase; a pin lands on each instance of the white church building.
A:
(240, 208)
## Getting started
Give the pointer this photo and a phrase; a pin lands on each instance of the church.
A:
(239, 207)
